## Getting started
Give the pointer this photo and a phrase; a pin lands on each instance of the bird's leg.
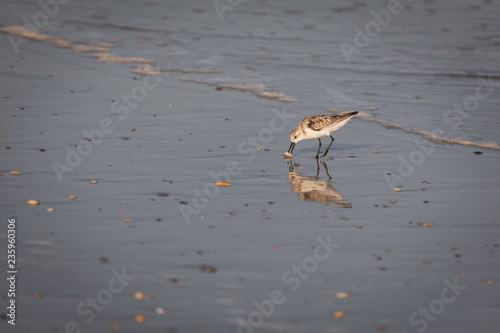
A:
(326, 151)
(317, 169)
(319, 147)
(326, 169)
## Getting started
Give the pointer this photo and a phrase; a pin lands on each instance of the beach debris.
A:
(376, 152)
(50, 209)
(159, 310)
(397, 189)
(223, 183)
(94, 181)
(478, 153)
(208, 269)
(103, 260)
(33, 202)
(15, 172)
(127, 220)
(72, 197)
(428, 225)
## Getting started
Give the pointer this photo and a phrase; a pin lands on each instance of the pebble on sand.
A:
(140, 318)
(223, 183)
(338, 314)
(33, 202)
(139, 295)
(50, 209)
(342, 294)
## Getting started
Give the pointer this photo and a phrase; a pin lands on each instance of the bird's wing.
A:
(320, 121)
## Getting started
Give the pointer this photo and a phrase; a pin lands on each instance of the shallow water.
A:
(204, 256)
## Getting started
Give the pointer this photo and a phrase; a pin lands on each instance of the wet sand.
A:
(289, 246)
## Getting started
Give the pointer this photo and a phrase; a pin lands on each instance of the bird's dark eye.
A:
(295, 137)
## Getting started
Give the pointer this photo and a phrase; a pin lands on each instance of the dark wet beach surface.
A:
(261, 239)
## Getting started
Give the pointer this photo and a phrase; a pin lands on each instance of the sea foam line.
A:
(430, 135)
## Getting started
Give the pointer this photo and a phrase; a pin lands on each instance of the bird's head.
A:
(296, 135)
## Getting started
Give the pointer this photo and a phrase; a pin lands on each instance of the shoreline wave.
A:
(431, 135)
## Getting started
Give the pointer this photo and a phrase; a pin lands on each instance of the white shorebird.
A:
(318, 126)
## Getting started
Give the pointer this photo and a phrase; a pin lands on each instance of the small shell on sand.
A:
(287, 155)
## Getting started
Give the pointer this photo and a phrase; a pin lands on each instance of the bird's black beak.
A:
(292, 145)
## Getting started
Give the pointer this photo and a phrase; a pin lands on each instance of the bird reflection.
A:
(310, 188)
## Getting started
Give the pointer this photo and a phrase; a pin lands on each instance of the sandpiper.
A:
(318, 126)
